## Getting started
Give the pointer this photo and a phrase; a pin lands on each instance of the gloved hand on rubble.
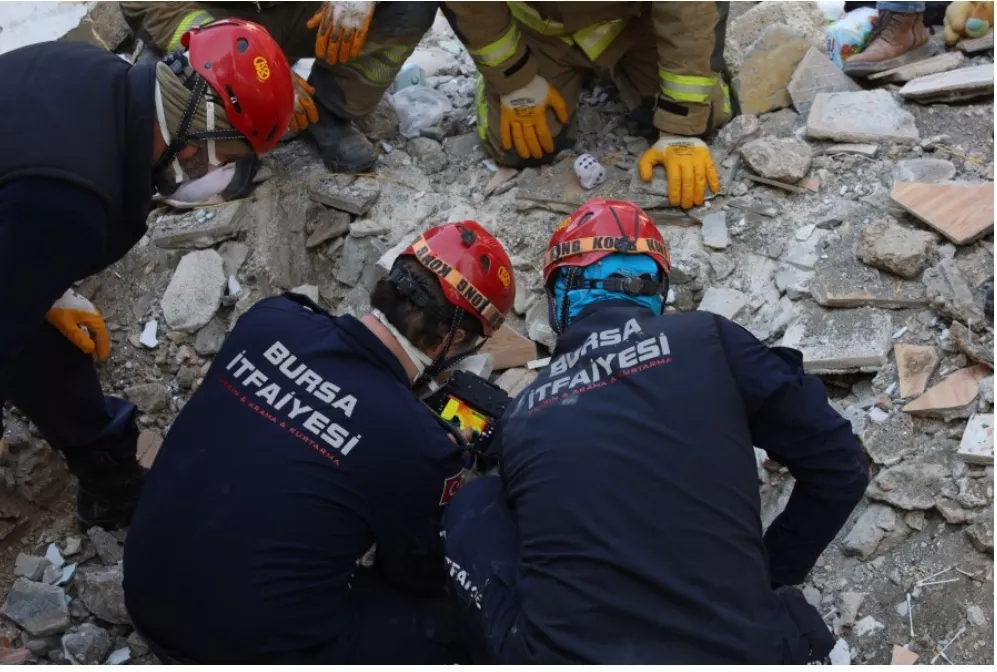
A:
(688, 165)
(70, 314)
(305, 112)
(342, 28)
(523, 120)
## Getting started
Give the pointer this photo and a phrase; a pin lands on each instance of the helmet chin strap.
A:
(420, 360)
(164, 130)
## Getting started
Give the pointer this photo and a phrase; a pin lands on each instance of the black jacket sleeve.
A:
(792, 421)
(409, 548)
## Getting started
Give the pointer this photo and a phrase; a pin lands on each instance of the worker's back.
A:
(630, 467)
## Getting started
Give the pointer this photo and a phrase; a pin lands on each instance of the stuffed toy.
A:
(968, 20)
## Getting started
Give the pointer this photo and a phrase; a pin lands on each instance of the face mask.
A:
(203, 189)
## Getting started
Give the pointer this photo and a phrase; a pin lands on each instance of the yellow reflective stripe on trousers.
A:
(595, 39)
(482, 106)
(381, 65)
(592, 40)
(196, 18)
(686, 88)
(726, 89)
(499, 51)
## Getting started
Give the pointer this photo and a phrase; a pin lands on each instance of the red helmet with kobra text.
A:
(600, 228)
(472, 267)
(242, 63)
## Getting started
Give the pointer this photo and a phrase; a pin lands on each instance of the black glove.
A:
(812, 641)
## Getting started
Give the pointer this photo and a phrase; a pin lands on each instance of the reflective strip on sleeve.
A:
(499, 51)
(686, 88)
(380, 66)
(456, 279)
(196, 18)
(571, 248)
(594, 40)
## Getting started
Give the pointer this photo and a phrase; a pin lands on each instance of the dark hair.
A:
(426, 326)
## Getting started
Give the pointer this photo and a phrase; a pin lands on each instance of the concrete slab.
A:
(860, 116)
(962, 84)
(840, 341)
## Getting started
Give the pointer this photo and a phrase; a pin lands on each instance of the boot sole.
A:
(862, 69)
(338, 167)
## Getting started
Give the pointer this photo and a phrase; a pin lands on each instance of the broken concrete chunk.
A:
(363, 228)
(210, 337)
(38, 608)
(978, 348)
(195, 291)
(101, 590)
(106, 545)
(149, 397)
(783, 159)
(962, 84)
(197, 229)
(714, 231)
(867, 626)
(509, 349)
(910, 486)
(429, 153)
(331, 224)
(929, 66)
(951, 512)
(888, 442)
(31, 567)
(233, 254)
(853, 148)
(729, 303)
(842, 281)
(860, 116)
(926, 171)
(803, 253)
(359, 255)
(981, 534)
(739, 130)
(840, 653)
(951, 295)
(803, 19)
(953, 397)
(848, 607)
(817, 74)
(869, 529)
(538, 327)
(960, 212)
(915, 364)
(840, 340)
(514, 381)
(87, 646)
(977, 446)
(149, 442)
(794, 282)
(894, 248)
(978, 44)
(356, 199)
(103, 26)
(762, 80)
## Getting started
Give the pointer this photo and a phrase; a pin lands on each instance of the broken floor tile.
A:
(509, 349)
(929, 66)
(952, 397)
(979, 348)
(842, 281)
(38, 608)
(951, 295)
(868, 530)
(723, 301)
(853, 148)
(961, 84)
(915, 364)
(714, 231)
(977, 446)
(928, 171)
(839, 341)
(817, 74)
(860, 116)
(978, 44)
(960, 212)
(803, 254)
(331, 224)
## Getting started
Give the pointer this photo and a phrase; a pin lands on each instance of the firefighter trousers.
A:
(349, 90)
(565, 67)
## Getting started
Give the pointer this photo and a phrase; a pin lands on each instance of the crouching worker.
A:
(305, 446)
(624, 526)
(80, 157)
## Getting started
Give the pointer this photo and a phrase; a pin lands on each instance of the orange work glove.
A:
(305, 111)
(70, 314)
(688, 165)
(523, 119)
(342, 29)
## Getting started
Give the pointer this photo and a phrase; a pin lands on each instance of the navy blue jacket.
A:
(630, 468)
(303, 447)
(75, 112)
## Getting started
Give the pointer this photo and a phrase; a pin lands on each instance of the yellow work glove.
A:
(70, 314)
(342, 29)
(305, 111)
(688, 166)
(523, 120)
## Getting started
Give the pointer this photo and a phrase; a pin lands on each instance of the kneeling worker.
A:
(625, 525)
(80, 156)
(305, 446)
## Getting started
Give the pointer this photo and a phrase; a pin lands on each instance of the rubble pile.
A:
(853, 225)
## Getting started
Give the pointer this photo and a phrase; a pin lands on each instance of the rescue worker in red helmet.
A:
(624, 525)
(84, 137)
(305, 447)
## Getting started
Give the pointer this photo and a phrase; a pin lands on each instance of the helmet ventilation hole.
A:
(242, 44)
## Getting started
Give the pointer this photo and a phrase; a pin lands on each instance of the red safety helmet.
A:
(600, 228)
(242, 63)
(472, 267)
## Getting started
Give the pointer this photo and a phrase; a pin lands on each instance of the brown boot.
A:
(896, 40)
